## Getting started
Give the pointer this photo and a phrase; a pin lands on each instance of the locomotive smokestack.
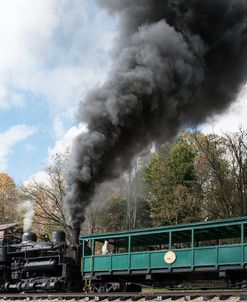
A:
(29, 236)
(177, 62)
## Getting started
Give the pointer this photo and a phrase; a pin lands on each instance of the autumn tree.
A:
(112, 216)
(171, 185)
(8, 199)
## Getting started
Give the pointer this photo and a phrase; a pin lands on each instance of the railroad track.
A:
(226, 295)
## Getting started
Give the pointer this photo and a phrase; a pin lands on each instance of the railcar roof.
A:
(197, 225)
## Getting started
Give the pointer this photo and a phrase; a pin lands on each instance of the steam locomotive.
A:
(201, 255)
(31, 266)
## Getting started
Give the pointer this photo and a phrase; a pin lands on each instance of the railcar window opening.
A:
(181, 239)
(115, 245)
(98, 244)
(245, 233)
(121, 245)
(223, 235)
(87, 247)
(150, 242)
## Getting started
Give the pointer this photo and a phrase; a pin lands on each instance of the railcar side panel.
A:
(197, 257)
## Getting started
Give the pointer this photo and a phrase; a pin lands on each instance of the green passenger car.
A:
(170, 255)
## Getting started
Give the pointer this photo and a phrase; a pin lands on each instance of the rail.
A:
(148, 296)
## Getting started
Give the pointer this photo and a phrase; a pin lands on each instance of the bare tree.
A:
(133, 193)
(221, 167)
(237, 147)
(47, 199)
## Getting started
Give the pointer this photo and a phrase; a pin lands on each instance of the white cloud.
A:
(40, 177)
(58, 127)
(3, 102)
(64, 86)
(60, 147)
(231, 119)
(25, 29)
(9, 100)
(9, 139)
(66, 141)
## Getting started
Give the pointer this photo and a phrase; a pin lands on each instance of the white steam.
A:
(28, 216)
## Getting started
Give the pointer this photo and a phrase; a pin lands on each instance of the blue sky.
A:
(52, 52)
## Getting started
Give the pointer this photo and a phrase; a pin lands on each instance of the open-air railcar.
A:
(180, 255)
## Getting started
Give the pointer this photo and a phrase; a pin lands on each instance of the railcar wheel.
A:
(98, 288)
(106, 287)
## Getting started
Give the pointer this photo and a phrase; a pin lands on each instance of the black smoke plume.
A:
(176, 63)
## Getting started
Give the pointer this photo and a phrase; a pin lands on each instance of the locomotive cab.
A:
(7, 236)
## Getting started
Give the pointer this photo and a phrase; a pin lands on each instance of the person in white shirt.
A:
(105, 248)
